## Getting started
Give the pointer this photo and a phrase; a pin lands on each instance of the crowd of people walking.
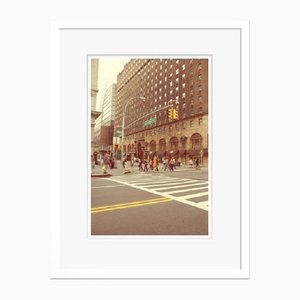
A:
(154, 164)
(145, 165)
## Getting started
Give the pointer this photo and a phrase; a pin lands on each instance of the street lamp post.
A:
(123, 122)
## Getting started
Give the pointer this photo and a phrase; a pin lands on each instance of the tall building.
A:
(105, 129)
(94, 91)
(147, 88)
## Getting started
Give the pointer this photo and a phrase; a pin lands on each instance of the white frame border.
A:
(244, 271)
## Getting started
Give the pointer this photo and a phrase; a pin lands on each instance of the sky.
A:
(109, 68)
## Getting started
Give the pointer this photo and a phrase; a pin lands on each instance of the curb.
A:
(108, 174)
(100, 175)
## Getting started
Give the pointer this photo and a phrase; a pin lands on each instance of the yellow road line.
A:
(130, 204)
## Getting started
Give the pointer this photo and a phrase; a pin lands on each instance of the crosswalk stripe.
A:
(158, 181)
(188, 190)
(202, 205)
(195, 195)
(184, 185)
(170, 183)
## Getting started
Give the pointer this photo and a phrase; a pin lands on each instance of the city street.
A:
(153, 113)
(150, 203)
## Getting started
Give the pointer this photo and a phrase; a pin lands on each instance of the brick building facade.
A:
(158, 81)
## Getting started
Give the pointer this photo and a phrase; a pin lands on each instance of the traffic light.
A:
(170, 113)
(175, 114)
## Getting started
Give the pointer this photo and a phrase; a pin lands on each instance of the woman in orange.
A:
(155, 164)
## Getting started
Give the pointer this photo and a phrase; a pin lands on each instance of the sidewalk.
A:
(98, 171)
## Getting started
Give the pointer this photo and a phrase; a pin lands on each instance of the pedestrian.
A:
(96, 157)
(106, 163)
(145, 165)
(201, 157)
(124, 162)
(111, 163)
(197, 163)
(155, 164)
(191, 162)
(172, 163)
(140, 164)
(93, 162)
(166, 164)
(150, 163)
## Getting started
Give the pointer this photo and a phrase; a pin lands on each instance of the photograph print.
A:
(149, 146)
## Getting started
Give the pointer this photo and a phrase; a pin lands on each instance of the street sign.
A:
(150, 121)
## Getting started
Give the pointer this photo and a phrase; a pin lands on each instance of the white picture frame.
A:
(225, 254)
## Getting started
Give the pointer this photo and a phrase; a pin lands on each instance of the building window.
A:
(196, 141)
(191, 123)
(174, 143)
(162, 145)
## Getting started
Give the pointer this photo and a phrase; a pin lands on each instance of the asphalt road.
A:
(136, 205)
